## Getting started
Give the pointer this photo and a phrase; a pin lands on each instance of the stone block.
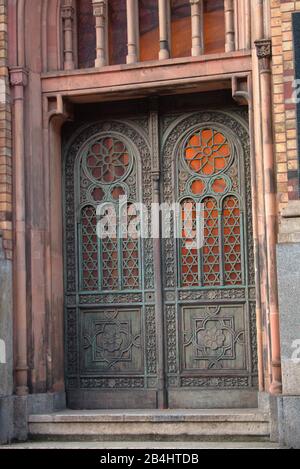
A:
(289, 300)
(6, 420)
(20, 418)
(6, 352)
(289, 231)
(289, 421)
(46, 403)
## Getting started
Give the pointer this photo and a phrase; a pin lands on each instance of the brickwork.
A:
(285, 113)
(5, 139)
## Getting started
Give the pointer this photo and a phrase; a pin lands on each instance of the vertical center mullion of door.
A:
(157, 253)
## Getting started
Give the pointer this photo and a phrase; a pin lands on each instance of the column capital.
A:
(194, 2)
(18, 76)
(99, 8)
(263, 48)
(67, 10)
(264, 54)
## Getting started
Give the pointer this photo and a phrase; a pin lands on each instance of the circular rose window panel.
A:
(207, 152)
(107, 160)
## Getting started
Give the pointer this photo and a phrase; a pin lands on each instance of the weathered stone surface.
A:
(289, 421)
(20, 418)
(6, 353)
(290, 223)
(6, 349)
(6, 419)
(178, 445)
(289, 300)
(44, 403)
(118, 425)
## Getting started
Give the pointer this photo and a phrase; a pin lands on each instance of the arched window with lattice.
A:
(208, 175)
(107, 173)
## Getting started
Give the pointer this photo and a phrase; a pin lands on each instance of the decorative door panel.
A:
(111, 356)
(210, 323)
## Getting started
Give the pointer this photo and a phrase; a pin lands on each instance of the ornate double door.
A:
(155, 321)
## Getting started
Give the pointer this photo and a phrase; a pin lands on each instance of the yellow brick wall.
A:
(5, 139)
(285, 123)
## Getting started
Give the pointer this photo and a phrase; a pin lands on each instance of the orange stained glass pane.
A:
(198, 187)
(117, 192)
(181, 30)
(207, 152)
(214, 26)
(117, 32)
(149, 30)
(86, 31)
(219, 186)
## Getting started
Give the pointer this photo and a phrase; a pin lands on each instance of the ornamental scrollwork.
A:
(217, 382)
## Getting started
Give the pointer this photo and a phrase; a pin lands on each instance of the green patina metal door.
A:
(150, 323)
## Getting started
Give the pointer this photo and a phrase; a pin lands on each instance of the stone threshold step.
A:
(156, 425)
(143, 445)
(211, 415)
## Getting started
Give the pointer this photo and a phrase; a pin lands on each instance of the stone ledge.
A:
(289, 229)
(168, 416)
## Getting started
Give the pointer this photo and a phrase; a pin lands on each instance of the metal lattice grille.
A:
(189, 254)
(209, 167)
(130, 254)
(107, 173)
(232, 241)
(109, 258)
(107, 160)
(89, 249)
(211, 248)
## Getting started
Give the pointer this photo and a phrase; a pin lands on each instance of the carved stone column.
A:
(132, 31)
(197, 27)
(18, 80)
(164, 52)
(264, 52)
(229, 25)
(67, 14)
(100, 12)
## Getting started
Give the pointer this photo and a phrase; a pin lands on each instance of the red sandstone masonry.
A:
(5, 140)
